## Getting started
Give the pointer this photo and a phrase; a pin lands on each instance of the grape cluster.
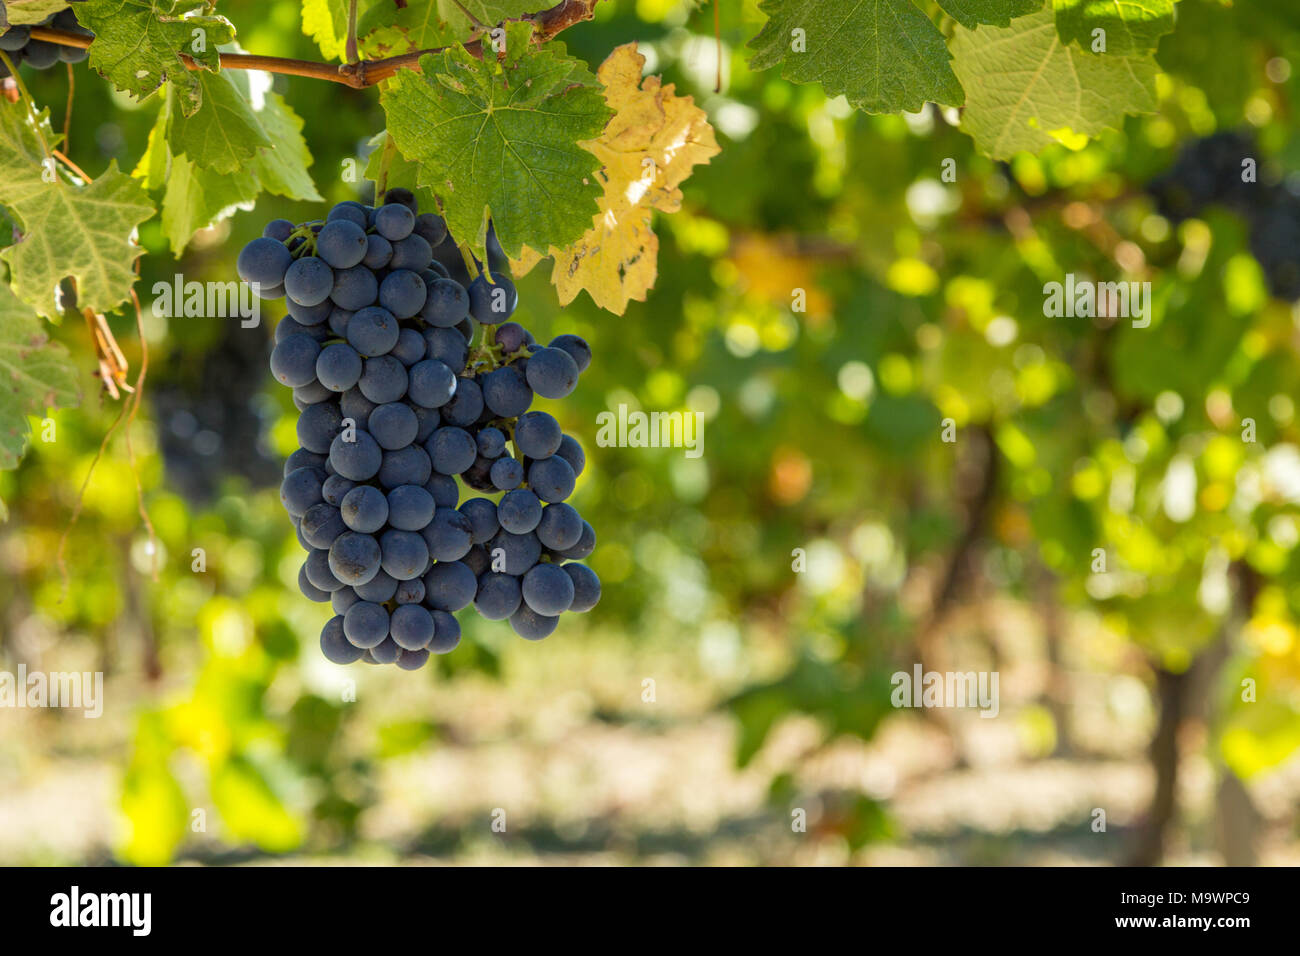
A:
(18, 44)
(1208, 171)
(407, 380)
(210, 416)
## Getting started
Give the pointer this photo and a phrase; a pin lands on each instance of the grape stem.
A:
(308, 245)
(67, 113)
(471, 264)
(490, 352)
(57, 154)
(493, 355)
(352, 33)
(385, 163)
(362, 73)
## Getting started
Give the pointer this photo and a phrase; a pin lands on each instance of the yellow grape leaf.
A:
(647, 150)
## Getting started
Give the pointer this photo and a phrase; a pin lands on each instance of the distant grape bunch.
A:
(407, 380)
(1208, 172)
(19, 46)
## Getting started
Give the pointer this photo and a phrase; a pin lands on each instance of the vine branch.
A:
(363, 73)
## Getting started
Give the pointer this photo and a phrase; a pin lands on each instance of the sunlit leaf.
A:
(35, 374)
(648, 149)
(139, 43)
(1025, 87)
(884, 55)
(69, 230)
(501, 138)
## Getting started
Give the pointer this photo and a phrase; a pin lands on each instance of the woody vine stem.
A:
(358, 73)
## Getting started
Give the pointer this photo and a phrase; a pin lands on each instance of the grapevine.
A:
(827, 231)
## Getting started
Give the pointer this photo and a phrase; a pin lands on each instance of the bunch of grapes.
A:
(407, 380)
(19, 46)
(210, 416)
(1208, 171)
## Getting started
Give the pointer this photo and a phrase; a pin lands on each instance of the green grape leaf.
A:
(425, 24)
(155, 163)
(385, 30)
(326, 22)
(1028, 90)
(223, 134)
(82, 231)
(1212, 50)
(401, 171)
(490, 12)
(971, 13)
(138, 44)
(422, 25)
(195, 196)
(282, 171)
(1131, 27)
(35, 374)
(500, 138)
(19, 12)
(884, 55)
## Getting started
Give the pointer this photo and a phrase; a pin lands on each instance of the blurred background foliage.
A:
(1106, 530)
